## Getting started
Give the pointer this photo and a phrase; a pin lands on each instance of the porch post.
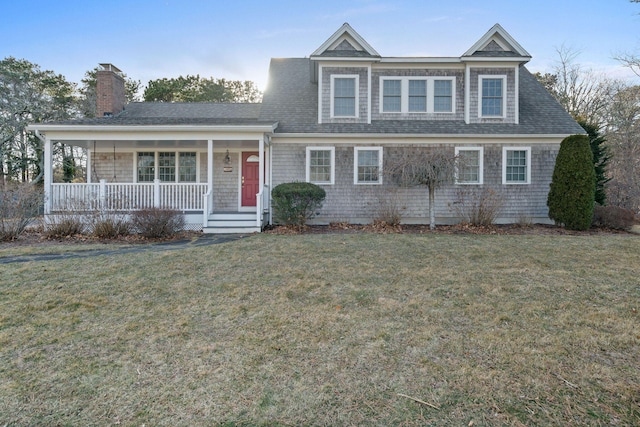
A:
(156, 193)
(209, 176)
(260, 209)
(88, 171)
(48, 175)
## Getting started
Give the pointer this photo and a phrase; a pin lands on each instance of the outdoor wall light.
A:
(227, 159)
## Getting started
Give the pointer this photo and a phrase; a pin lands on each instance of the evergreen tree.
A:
(601, 157)
(572, 193)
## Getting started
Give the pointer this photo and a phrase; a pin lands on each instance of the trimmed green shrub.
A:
(157, 222)
(296, 202)
(572, 193)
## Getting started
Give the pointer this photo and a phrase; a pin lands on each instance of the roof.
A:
(292, 100)
(179, 113)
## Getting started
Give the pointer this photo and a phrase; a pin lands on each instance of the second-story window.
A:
(392, 95)
(492, 96)
(417, 96)
(345, 96)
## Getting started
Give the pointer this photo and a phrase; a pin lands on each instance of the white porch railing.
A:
(127, 196)
(262, 205)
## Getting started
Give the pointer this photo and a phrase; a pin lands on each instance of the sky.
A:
(235, 39)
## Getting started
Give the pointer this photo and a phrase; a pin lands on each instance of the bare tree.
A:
(623, 138)
(416, 167)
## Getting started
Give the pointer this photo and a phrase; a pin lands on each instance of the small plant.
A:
(20, 204)
(573, 185)
(64, 225)
(388, 211)
(157, 222)
(296, 202)
(613, 217)
(109, 226)
(478, 207)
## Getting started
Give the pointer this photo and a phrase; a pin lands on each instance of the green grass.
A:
(328, 330)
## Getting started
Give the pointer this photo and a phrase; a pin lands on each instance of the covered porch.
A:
(217, 176)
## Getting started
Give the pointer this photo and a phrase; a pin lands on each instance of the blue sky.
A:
(235, 39)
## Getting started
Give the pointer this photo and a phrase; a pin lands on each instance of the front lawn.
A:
(330, 329)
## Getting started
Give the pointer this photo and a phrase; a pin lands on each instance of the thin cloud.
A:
(372, 9)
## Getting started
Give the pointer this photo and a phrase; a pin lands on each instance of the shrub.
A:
(613, 217)
(64, 225)
(478, 207)
(388, 211)
(296, 202)
(572, 193)
(20, 204)
(108, 226)
(157, 222)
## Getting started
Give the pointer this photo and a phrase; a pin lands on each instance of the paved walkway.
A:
(202, 240)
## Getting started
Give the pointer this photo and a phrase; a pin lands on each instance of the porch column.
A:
(260, 181)
(48, 175)
(89, 152)
(209, 176)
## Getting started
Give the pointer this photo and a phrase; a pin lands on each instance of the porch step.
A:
(231, 223)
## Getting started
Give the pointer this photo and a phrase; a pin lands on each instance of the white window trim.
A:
(502, 77)
(333, 164)
(504, 165)
(357, 94)
(480, 151)
(355, 165)
(156, 171)
(404, 94)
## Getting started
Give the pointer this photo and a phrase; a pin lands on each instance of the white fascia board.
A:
(343, 60)
(493, 59)
(345, 28)
(397, 138)
(421, 59)
(497, 29)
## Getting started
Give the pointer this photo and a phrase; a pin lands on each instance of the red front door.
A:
(250, 178)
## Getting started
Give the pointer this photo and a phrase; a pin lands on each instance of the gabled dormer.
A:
(342, 68)
(345, 43)
(497, 43)
(492, 75)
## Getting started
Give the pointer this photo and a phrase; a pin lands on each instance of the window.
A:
(492, 96)
(367, 165)
(320, 165)
(146, 167)
(442, 96)
(417, 94)
(516, 165)
(469, 166)
(391, 96)
(187, 167)
(345, 96)
(168, 169)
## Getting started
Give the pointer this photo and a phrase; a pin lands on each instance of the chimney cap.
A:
(110, 67)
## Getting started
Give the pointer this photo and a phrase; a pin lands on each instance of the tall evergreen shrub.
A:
(572, 193)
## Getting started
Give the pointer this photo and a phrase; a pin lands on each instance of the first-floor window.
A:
(516, 165)
(146, 167)
(168, 168)
(469, 165)
(368, 165)
(320, 165)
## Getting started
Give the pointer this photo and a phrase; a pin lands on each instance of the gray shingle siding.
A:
(363, 203)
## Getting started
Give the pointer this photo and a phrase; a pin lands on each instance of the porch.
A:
(217, 176)
(192, 199)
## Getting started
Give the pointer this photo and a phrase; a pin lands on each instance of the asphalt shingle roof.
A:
(292, 100)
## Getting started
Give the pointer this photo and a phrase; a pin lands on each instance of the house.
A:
(332, 119)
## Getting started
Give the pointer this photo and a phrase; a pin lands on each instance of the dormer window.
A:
(344, 96)
(492, 89)
(417, 94)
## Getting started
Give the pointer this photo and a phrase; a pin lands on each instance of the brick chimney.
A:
(110, 95)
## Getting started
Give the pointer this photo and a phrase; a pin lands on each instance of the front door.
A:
(250, 178)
